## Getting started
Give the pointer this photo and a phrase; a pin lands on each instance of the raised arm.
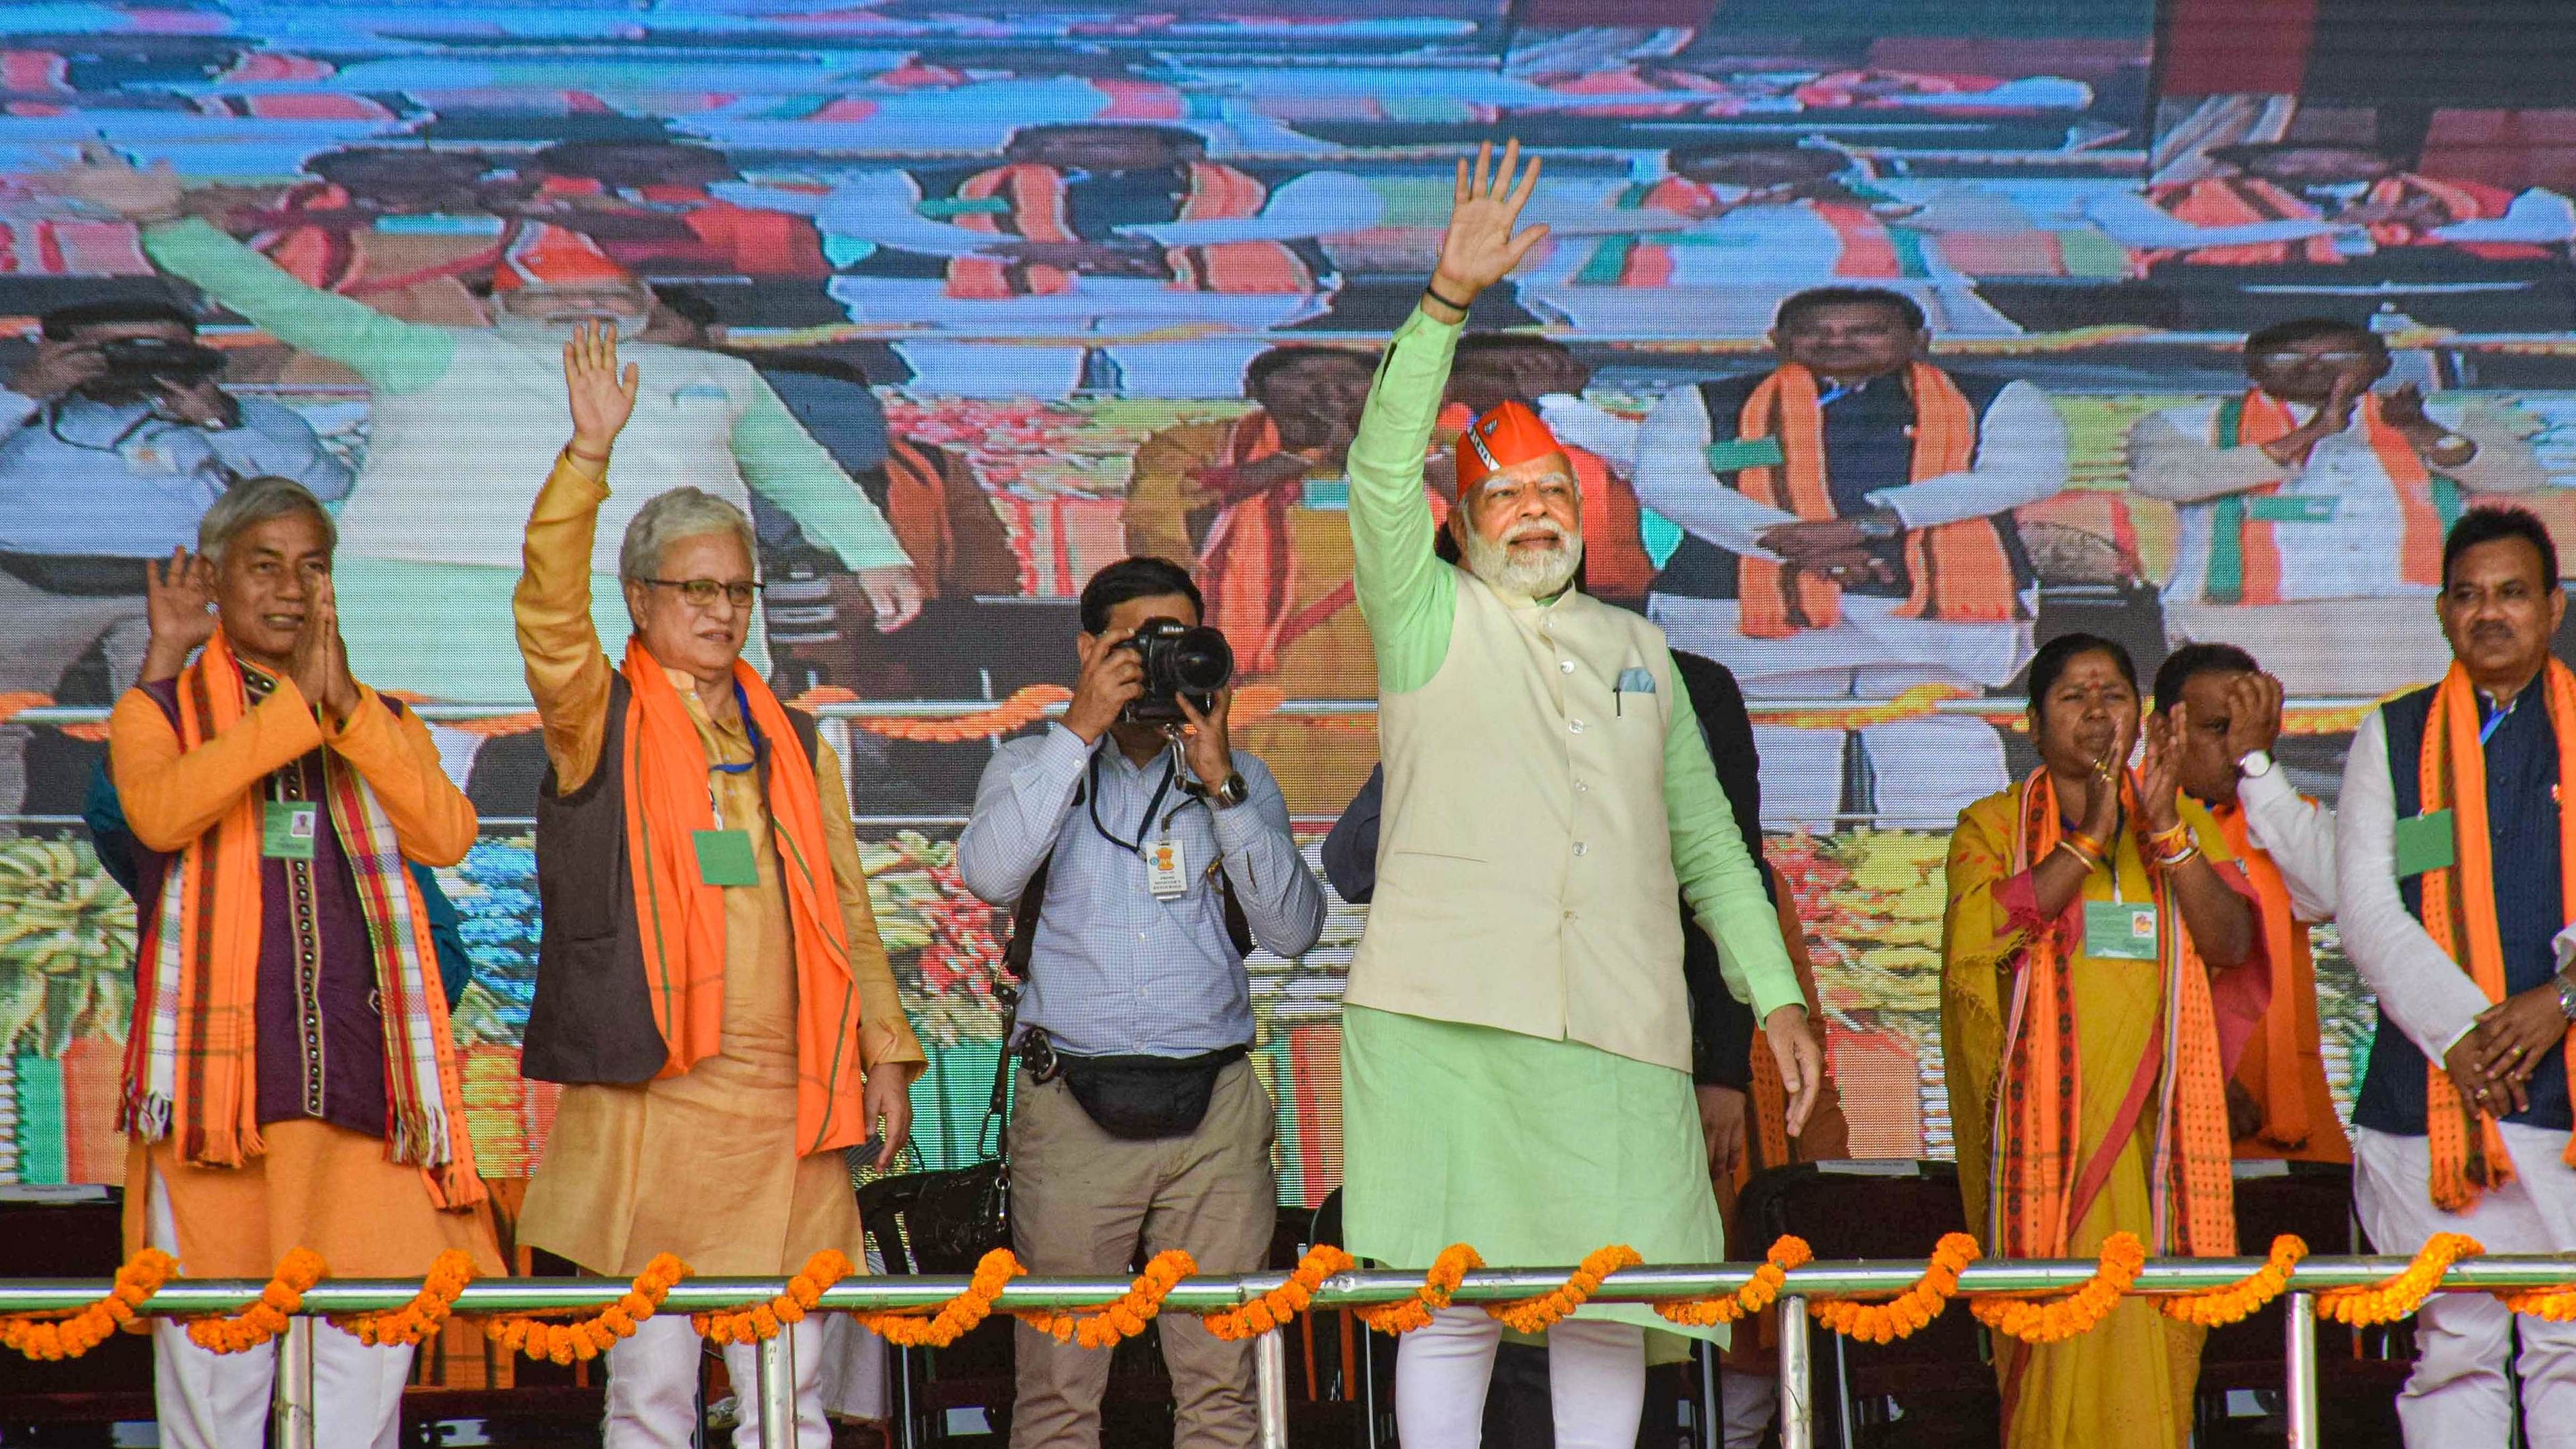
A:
(391, 355)
(784, 464)
(567, 671)
(1404, 591)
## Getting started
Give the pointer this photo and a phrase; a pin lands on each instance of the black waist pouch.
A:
(1144, 1099)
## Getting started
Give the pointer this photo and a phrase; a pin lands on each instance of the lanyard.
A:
(759, 746)
(1171, 768)
(2487, 731)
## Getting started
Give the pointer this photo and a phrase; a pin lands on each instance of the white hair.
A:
(255, 501)
(1543, 576)
(673, 516)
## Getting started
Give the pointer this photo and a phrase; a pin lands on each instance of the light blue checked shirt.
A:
(1114, 971)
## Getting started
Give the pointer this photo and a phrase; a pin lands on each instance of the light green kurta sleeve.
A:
(1721, 882)
(784, 463)
(1405, 592)
(392, 355)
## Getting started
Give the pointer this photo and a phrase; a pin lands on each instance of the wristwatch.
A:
(1230, 791)
(2254, 764)
(2566, 997)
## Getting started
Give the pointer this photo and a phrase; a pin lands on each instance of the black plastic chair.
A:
(1938, 1381)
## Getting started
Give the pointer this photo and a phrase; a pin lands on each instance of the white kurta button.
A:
(1565, 666)
(1574, 725)
(1580, 848)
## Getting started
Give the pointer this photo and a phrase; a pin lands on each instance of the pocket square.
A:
(1636, 680)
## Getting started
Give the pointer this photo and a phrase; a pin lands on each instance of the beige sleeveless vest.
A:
(1524, 868)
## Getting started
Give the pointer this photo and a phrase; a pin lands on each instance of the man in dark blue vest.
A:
(1849, 522)
(2453, 845)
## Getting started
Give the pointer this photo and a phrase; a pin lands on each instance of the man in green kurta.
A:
(1516, 1050)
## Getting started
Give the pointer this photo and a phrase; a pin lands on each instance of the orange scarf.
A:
(683, 919)
(2041, 1183)
(192, 1055)
(1035, 198)
(2248, 200)
(2459, 914)
(2245, 551)
(2289, 1024)
(1957, 571)
(1246, 567)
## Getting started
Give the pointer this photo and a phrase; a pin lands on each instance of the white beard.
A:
(1530, 576)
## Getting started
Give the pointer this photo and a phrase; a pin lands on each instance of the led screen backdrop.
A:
(1038, 281)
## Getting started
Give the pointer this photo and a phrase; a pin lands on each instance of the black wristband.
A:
(1434, 294)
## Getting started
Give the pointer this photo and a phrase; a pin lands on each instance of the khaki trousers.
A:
(1083, 1202)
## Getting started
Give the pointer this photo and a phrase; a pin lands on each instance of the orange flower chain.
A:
(66, 1334)
(1787, 1254)
(419, 1320)
(69, 1335)
(1908, 1312)
(1275, 1308)
(2241, 1299)
(920, 1328)
(2389, 1301)
(760, 1321)
(2079, 1312)
(1125, 1318)
(263, 1321)
(587, 1338)
(1537, 1315)
(1447, 1271)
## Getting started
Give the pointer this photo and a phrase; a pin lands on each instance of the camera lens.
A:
(1202, 661)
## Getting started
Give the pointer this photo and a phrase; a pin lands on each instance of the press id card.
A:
(1167, 869)
(286, 829)
(2120, 930)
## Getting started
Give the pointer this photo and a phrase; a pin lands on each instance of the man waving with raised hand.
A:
(1516, 1057)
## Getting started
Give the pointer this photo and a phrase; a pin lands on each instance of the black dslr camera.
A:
(180, 364)
(1179, 659)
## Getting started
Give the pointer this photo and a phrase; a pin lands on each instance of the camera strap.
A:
(1144, 827)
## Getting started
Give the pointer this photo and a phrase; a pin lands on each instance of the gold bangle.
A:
(2166, 841)
(2089, 861)
(2086, 845)
(2177, 860)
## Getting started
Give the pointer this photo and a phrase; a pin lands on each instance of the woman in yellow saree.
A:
(2101, 964)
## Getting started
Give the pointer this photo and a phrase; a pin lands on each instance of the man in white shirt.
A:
(2462, 1121)
(2313, 508)
(2226, 715)
(1850, 535)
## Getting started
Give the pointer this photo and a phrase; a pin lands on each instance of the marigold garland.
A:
(760, 1321)
(1538, 1315)
(1125, 1318)
(51, 1336)
(1273, 1309)
(1908, 1312)
(1025, 707)
(256, 1325)
(1447, 1271)
(1787, 1253)
(2077, 1313)
(2239, 1300)
(587, 1338)
(919, 1328)
(2395, 1298)
(419, 1320)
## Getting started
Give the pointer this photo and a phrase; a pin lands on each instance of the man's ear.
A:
(1085, 645)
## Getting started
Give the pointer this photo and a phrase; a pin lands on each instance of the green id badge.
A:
(286, 830)
(2119, 930)
(725, 858)
(1744, 453)
(2426, 842)
(2282, 508)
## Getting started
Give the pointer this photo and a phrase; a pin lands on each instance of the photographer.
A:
(1138, 1120)
(118, 437)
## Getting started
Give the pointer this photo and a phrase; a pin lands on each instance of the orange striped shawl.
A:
(683, 919)
(1958, 571)
(2267, 419)
(2459, 913)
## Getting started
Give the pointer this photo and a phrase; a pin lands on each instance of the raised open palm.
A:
(106, 180)
(602, 399)
(1481, 247)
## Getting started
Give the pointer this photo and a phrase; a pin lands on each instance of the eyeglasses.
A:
(702, 593)
(2331, 359)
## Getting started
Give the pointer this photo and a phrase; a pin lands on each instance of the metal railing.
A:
(774, 1386)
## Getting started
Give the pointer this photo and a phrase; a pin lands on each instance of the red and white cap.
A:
(1508, 433)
